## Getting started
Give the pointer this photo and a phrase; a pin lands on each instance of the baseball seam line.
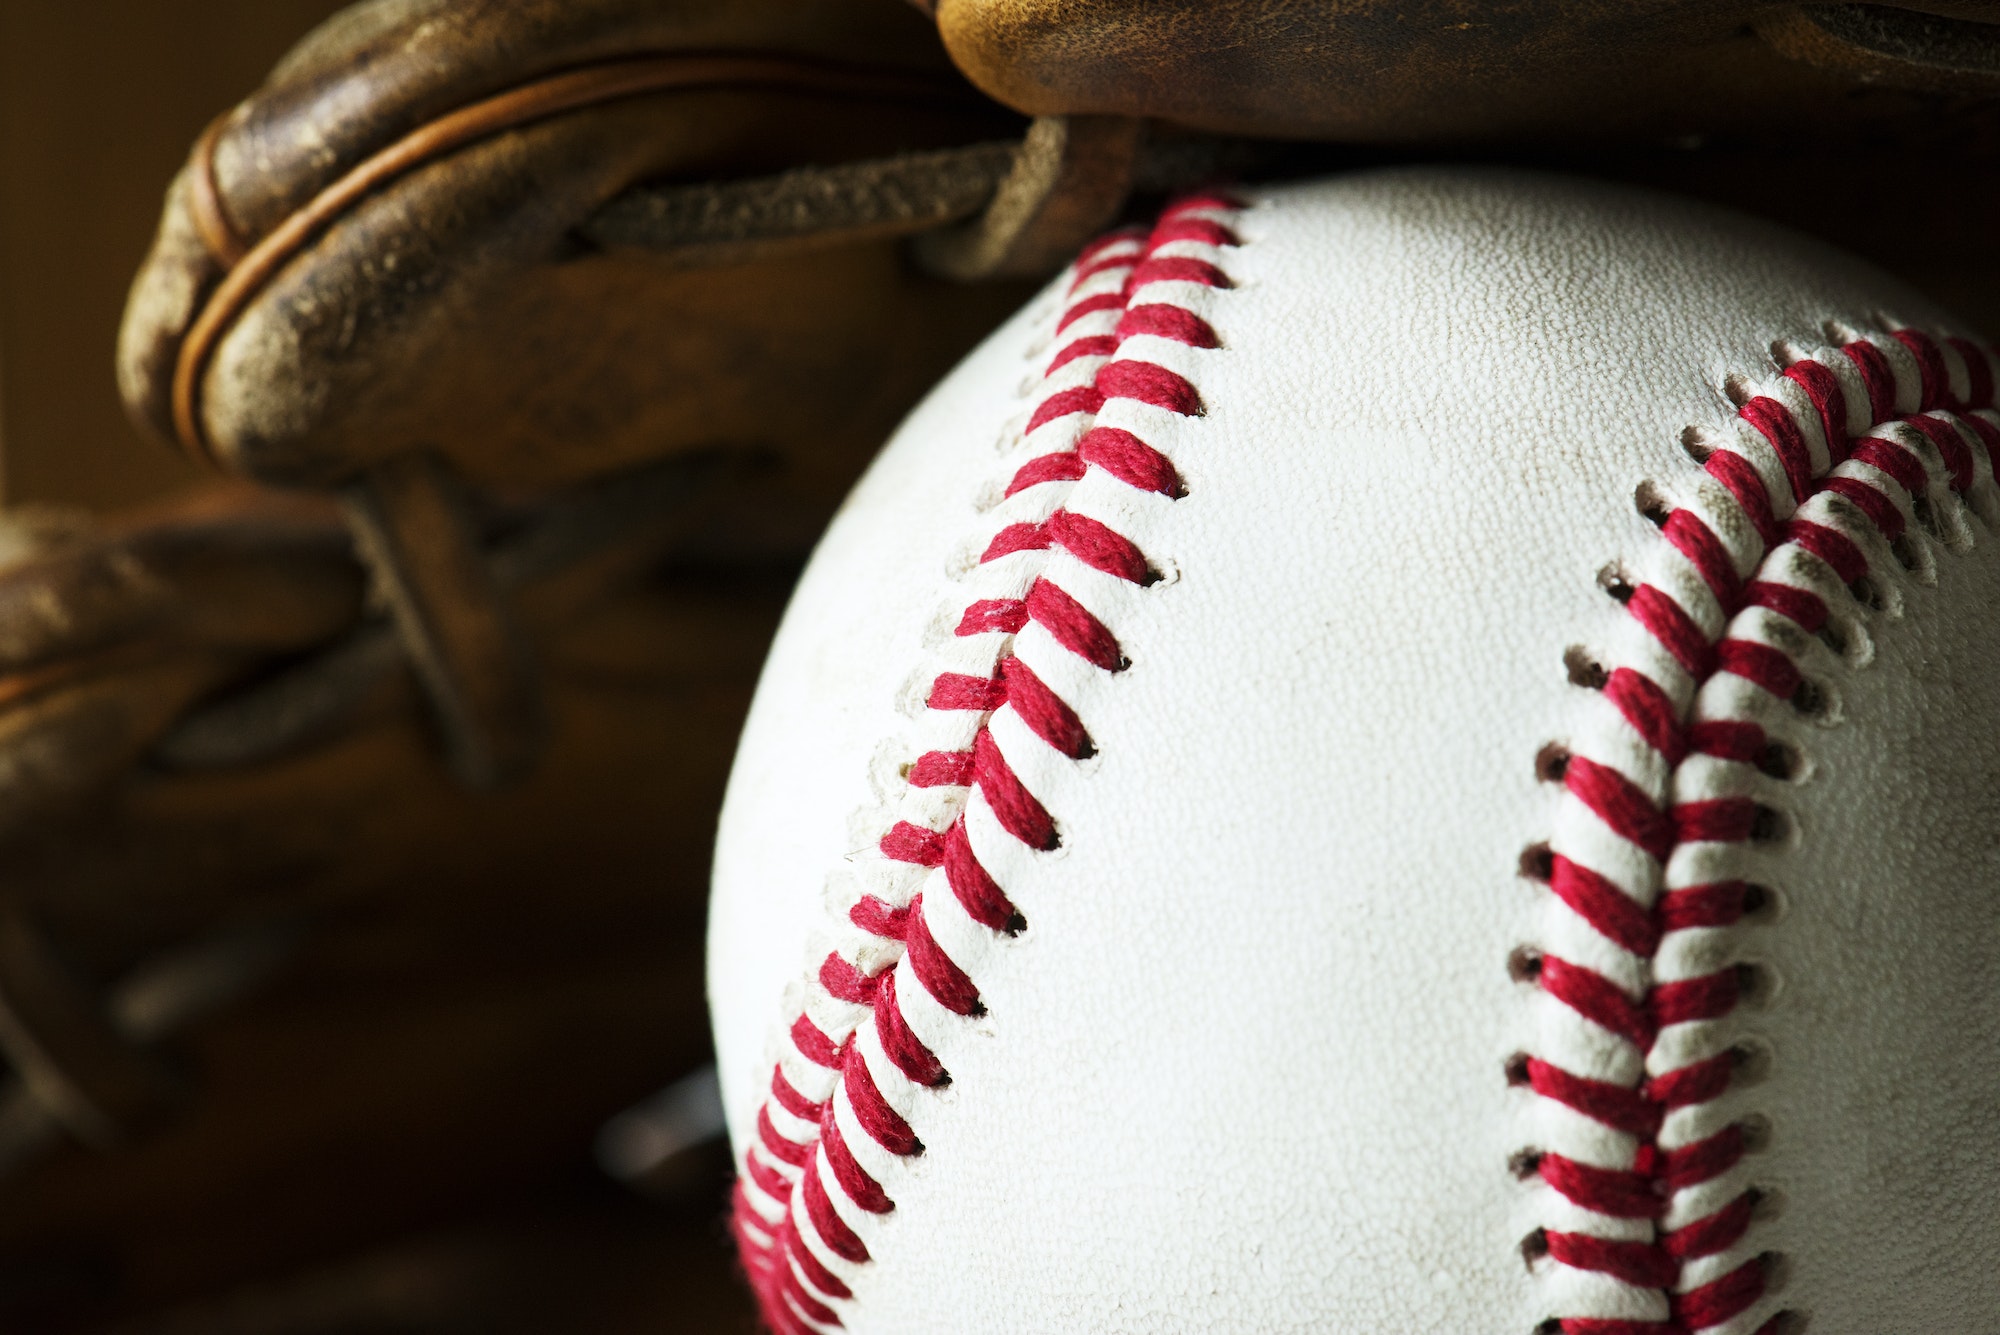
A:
(847, 1091)
(1650, 1212)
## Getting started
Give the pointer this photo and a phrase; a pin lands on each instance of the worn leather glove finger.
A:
(1472, 72)
(383, 248)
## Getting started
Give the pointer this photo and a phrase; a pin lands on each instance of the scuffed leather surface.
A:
(1429, 71)
(1244, 1070)
(456, 309)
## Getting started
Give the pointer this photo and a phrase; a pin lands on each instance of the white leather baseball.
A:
(1472, 867)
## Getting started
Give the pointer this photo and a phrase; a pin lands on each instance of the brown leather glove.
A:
(383, 248)
(1808, 114)
(273, 985)
(1464, 72)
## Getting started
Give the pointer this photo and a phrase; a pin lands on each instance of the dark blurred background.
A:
(98, 104)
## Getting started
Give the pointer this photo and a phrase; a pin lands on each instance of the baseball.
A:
(1413, 752)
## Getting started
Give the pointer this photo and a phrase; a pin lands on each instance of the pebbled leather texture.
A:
(1247, 1067)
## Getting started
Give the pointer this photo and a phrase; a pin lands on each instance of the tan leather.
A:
(1479, 72)
(405, 195)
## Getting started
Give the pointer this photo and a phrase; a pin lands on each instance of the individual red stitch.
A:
(855, 1180)
(1023, 537)
(990, 614)
(1829, 401)
(810, 1307)
(1699, 1083)
(1879, 509)
(813, 1045)
(1702, 1160)
(1117, 250)
(776, 1145)
(878, 918)
(884, 1125)
(1615, 914)
(1017, 810)
(1770, 668)
(1951, 447)
(1616, 1106)
(816, 1274)
(941, 769)
(1709, 997)
(1593, 996)
(1129, 459)
(1729, 740)
(1090, 305)
(1829, 545)
(789, 1319)
(1672, 627)
(768, 1179)
(1621, 804)
(1649, 711)
(1747, 484)
(1694, 540)
(1074, 626)
(1718, 1301)
(789, 1098)
(1613, 1326)
(943, 979)
(904, 1050)
(1713, 1235)
(1090, 345)
(1979, 372)
(1743, 480)
(841, 1240)
(1047, 715)
(1717, 904)
(977, 893)
(1131, 237)
(1176, 269)
(1205, 230)
(912, 843)
(1897, 462)
(1876, 377)
(1801, 606)
(1724, 820)
(1774, 422)
(1638, 1263)
(1174, 323)
(1098, 545)
(957, 690)
(1149, 383)
(841, 979)
(1933, 379)
(1608, 1191)
(1079, 399)
(1065, 466)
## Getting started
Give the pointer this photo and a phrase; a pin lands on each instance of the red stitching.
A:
(1831, 512)
(787, 1215)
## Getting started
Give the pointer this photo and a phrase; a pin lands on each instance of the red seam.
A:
(1658, 1172)
(770, 1252)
